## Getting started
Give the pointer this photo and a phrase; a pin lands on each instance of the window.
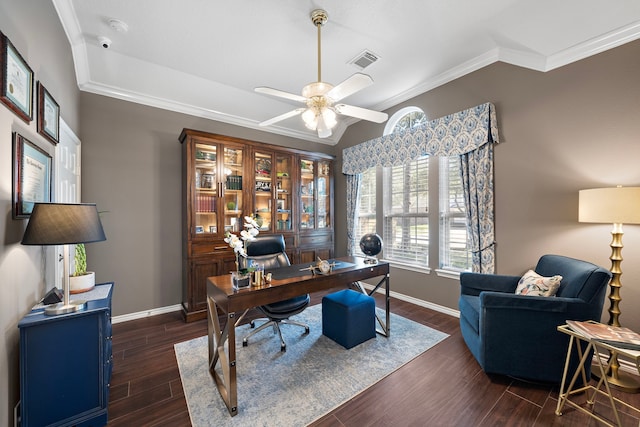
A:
(453, 246)
(406, 190)
(367, 207)
(406, 212)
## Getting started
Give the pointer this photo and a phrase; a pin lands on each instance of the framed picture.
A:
(31, 176)
(280, 204)
(16, 84)
(48, 115)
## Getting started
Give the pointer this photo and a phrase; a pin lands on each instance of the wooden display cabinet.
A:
(316, 206)
(226, 178)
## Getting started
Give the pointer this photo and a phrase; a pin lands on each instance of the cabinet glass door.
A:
(232, 203)
(323, 199)
(284, 201)
(307, 199)
(263, 194)
(206, 189)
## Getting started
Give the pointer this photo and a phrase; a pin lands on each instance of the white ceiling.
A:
(205, 57)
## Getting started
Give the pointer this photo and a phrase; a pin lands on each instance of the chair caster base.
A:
(306, 330)
(245, 343)
(283, 348)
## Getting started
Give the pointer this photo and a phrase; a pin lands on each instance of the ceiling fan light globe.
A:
(310, 119)
(329, 117)
(316, 89)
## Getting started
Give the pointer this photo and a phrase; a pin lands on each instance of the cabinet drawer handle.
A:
(219, 248)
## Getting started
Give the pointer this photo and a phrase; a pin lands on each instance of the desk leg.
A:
(227, 383)
(386, 330)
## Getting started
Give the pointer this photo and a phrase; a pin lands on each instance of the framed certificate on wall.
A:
(31, 176)
(16, 84)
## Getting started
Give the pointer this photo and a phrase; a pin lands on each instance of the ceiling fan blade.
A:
(351, 85)
(282, 117)
(280, 94)
(361, 113)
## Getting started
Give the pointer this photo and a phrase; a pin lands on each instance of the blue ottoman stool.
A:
(348, 317)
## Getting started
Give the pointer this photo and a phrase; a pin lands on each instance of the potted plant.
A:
(81, 280)
(241, 278)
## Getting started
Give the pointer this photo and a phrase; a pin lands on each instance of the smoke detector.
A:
(364, 59)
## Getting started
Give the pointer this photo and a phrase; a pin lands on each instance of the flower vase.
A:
(240, 280)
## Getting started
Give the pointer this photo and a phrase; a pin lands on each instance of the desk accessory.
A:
(371, 245)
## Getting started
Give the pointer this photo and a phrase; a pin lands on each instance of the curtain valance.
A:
(450, 135)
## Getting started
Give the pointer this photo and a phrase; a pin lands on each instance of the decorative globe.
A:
(371, 244)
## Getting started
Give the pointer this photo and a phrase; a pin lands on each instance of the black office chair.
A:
(269, 251)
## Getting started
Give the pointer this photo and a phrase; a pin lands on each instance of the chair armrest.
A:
(566, 308)
(474, 283)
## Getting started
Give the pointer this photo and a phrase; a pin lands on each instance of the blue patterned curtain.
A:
(353, 200)
(470, 134)
(476, 168)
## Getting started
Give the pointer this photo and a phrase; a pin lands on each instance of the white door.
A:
(67, 181)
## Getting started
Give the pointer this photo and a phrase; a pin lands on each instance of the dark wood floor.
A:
(442, 387)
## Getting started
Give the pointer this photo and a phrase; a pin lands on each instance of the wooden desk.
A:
(221, 296)
(598, 347)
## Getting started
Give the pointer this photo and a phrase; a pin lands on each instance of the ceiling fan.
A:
(321, 98)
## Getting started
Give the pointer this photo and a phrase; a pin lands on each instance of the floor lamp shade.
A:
(615, 205)
(63, 224)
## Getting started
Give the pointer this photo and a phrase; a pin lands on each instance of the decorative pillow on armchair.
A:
(534, 284)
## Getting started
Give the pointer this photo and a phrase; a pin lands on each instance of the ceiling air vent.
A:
(364, 59)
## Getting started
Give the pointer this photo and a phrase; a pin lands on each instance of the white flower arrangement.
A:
(238, 244)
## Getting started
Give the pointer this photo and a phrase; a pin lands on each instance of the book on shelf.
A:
(614, 335)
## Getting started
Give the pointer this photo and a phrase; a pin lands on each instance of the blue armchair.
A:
(516, 335)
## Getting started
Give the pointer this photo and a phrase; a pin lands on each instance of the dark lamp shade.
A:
(63, 223)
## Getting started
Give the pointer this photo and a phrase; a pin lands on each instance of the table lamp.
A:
(617, 206)
(63, 224)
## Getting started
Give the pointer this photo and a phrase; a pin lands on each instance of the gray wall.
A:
(131, 162)
(34, 29)
(573, 128)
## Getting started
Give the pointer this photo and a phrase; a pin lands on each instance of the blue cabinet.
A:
(65, 364)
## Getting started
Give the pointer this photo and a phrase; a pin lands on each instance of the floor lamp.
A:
(617, 206)
(63, 224)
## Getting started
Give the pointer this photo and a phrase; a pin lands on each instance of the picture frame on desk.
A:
(16, 82)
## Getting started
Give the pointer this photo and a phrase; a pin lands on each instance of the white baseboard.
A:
(146, 313)
(416, 301)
